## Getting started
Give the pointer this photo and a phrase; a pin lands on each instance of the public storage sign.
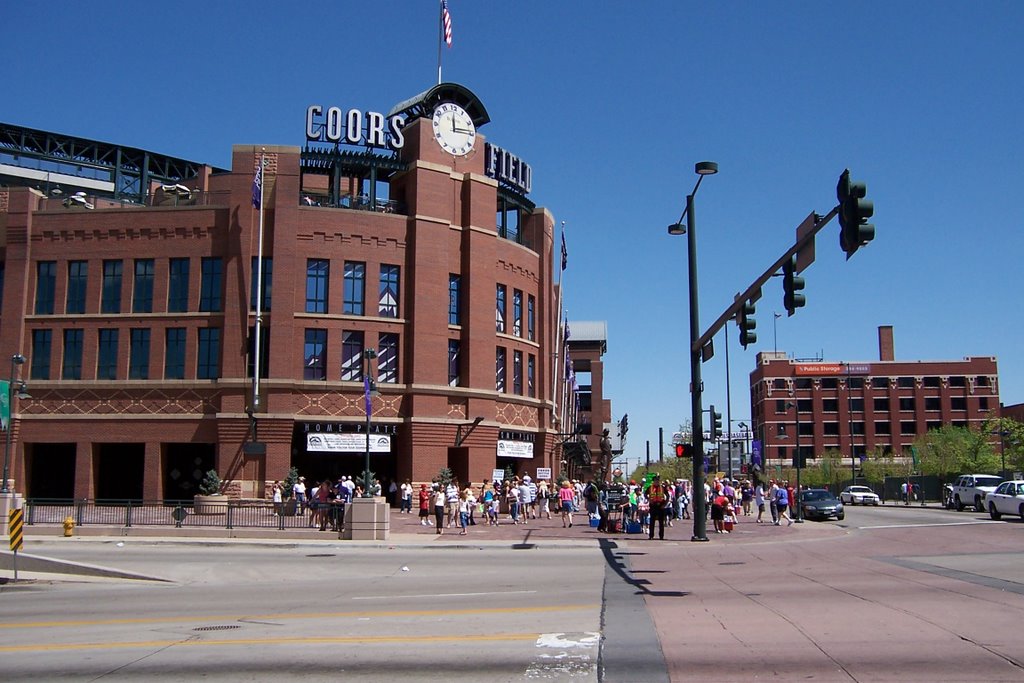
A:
(832, 369)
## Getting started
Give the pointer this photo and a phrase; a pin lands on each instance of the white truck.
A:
(970, 489)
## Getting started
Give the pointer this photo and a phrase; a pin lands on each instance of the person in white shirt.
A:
(531, 504)
(406, 491)
(452, 498)
(759, 502)
(299, 491)
(440, 498)
(524, 501)
(513, 503)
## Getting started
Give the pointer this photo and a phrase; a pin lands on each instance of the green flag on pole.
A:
(5, 403)
(913, 456)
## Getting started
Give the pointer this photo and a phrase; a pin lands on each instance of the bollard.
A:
(69, 526)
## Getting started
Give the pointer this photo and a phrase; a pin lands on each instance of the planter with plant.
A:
(210, 500)
(288, 491)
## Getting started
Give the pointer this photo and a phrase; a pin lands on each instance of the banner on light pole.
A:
(5, 403)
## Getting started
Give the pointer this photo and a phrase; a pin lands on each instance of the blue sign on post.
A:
(755, 453)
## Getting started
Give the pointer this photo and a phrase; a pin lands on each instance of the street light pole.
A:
(702, 169)
(799, 466)
(728, 403)
(797, 462)
(16, 360)
(746, 441)
(849, 411)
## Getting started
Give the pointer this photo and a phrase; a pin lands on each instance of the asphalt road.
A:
(889, 594)
(243, 612)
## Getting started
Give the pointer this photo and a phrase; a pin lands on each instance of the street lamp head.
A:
(18, 359)
(23, 391)
(706, 168)
(677, 229)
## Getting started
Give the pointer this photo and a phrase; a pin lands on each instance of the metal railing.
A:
(358, 202)
(229, 514)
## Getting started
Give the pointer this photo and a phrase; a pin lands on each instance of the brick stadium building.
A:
(400, 247)
(865, 407)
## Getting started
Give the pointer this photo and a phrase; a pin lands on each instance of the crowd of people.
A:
(644, 507)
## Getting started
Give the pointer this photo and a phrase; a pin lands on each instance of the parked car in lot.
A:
(820, 504)
(859, 495)
(1007, 499)
(970, 489)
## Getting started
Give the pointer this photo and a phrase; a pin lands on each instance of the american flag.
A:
(446, 20)
(257, 186)
(565, 253)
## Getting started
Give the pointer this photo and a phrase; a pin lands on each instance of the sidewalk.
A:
(406, 530)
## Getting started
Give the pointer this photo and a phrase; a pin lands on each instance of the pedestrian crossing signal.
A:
(684, 450)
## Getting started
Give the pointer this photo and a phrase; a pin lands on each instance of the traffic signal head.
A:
(854, 212)
(684, 450)
(716, 424)
(746, 323)
(791, 286)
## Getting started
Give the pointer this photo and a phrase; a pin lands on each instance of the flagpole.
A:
(259, 294)
(557, 351)
(440, 36)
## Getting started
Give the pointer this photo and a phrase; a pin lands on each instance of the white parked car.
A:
(1007, 499)
(859, 495)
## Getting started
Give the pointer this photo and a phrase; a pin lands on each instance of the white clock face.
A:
(454, 129)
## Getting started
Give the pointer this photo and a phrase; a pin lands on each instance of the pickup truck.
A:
(970, 489)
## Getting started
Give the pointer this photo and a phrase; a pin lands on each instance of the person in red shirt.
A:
(718, 505)
(424, 506)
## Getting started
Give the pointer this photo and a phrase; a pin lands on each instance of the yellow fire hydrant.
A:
(69, 526)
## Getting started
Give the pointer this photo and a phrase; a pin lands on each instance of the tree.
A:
(832, 471)
(288, 485)
(938, 451)
(948, 451)
(877, 466)
(1010, 434)
(445, 475)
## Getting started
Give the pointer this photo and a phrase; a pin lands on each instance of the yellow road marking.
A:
(292, 615)
(316, 640)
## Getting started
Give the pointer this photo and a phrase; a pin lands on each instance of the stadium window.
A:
(355, 287)
(177, 285)
(110, 301)
(46, 283)
(78, 272)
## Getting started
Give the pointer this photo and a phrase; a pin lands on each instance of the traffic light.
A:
(716, 424)
(854, 212)
(791, 286)
(624, 426)
(684, 450)
(746, 323)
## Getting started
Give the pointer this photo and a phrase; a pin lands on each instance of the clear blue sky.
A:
(612, 103)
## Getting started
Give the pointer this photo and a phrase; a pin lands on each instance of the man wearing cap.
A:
(657, 496)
